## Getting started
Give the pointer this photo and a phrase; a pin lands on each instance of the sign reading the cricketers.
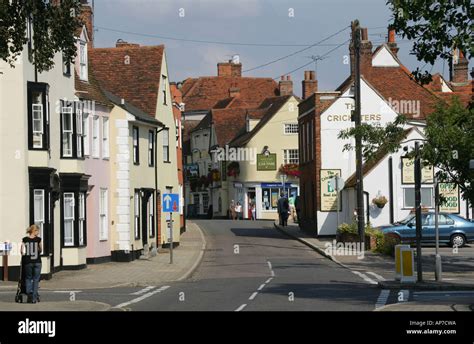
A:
(450, 201)
(408, 172)
(328, 191)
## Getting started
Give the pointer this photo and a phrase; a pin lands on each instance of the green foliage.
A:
(450, 145)
(436, 26)
(376, 137)
(386, 243)
(53, 28)
(347, 228)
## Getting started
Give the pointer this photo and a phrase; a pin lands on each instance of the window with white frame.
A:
(205, 203)
(151, 216)
(105, 137)
(136, 212)
(68, 225)
(166, 145)
(80, 134)
(85, 134)
(409, 197)
(39, 211)
(38, 130)
(151, 148)
(82, 218)
(290, 128)
(290, 156)
(68, 131)
(136, 147)
(103, 214)
(95, 136)
(38, 121)
(163, 86)
(83, 61)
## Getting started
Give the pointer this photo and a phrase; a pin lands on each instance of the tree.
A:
(52, 24)
(450, 145)
(376, 137)
(437, 26)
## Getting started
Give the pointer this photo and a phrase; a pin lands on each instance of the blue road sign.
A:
(170, 203)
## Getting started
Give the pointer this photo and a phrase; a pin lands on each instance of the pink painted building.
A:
(95, 109)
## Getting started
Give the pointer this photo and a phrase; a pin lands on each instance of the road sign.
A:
(337, 183)
(170, 203)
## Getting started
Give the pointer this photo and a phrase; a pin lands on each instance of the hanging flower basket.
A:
(291, 170)
(380, 201)
(233, 169)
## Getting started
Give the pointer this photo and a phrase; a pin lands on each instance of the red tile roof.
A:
(205, 93)
(138, 81)
(90, 90)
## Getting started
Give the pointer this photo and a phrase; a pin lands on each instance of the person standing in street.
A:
(31, 250)
(253, 210)
(291, 202)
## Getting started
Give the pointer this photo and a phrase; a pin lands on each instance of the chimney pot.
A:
(391, 36)
(310, 84)
(364, 34)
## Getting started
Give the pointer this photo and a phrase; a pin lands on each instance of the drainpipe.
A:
(367, 211)
(163, 127)
(390, 188)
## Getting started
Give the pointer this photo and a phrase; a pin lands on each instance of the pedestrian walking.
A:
(232, 210)
(31, 250)
(238, 211)
(253, 210)
(291, 202)
(283, 208)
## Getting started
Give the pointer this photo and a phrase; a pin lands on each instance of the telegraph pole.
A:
(418, 210)
(358, 138)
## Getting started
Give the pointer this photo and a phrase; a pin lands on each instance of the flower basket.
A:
(233, 169)
(291, 170)
(380, 201)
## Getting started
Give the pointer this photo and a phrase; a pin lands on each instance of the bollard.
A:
(407, 257)
(398, 261)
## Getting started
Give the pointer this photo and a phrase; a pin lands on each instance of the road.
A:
(250, 266)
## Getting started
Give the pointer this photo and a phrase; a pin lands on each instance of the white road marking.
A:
(383, 297)
(268, 280)
(261, 287)
(253, 296)
(241, 307)
(377, 276)
(67, 291)
(143, 297)
(272, 273)
(143, 291)
(269, 264)
(364, 277)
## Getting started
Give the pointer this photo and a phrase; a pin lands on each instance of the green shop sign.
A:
(266, 162)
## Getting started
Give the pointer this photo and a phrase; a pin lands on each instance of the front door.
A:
(144, 216)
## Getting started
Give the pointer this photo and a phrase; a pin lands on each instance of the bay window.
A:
(85, 134)
(82, 218)
(136, 213)
(151, 148)
(68, 224)
(39, 210)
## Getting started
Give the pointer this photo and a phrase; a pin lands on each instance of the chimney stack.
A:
(310, 84)
(286, 86)
(123, 44)
(230, 68)
(365, 52)
(87, 17)
(391, 42)
(460, 68)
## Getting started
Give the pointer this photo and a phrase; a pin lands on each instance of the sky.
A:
(271, 22)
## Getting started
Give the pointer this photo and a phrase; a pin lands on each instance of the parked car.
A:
(453, 229)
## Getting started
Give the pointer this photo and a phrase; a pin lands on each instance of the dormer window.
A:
(163, 86)
(83, 70)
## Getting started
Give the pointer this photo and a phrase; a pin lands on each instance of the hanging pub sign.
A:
(408, 172)
(266, 162)
(450, 199)
(328, 192)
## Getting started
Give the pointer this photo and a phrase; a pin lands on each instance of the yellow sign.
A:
(408, 172)
(328, 193)
(449, 193)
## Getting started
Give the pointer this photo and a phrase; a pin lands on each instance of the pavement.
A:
(101, 279)
(454, 293)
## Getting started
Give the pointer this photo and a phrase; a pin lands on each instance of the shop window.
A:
(409, 197)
